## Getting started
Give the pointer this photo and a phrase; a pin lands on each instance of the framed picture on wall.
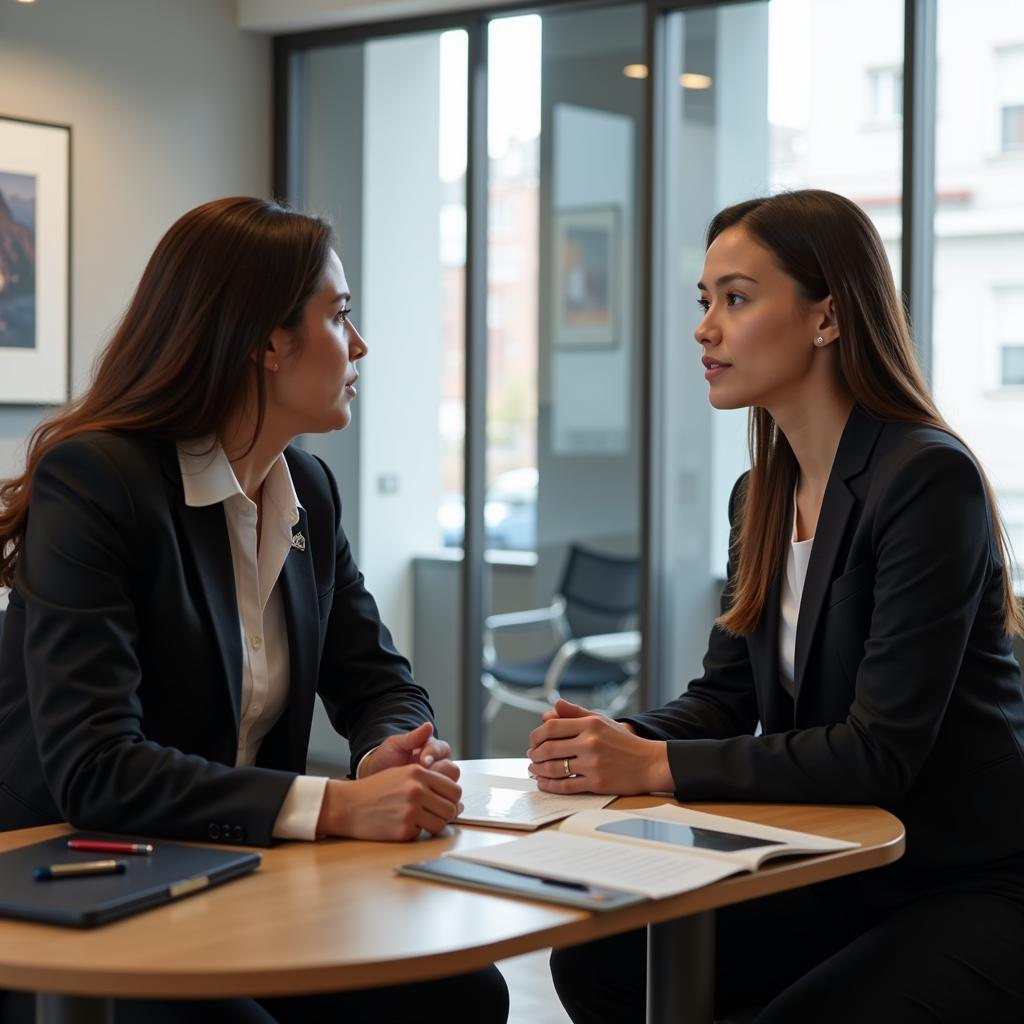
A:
(35, 164)
(586, 305)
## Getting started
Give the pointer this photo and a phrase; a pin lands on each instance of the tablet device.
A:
(171, 871)
(489, 879)
(657, 831)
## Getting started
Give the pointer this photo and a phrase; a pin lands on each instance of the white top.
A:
(208, 479)
(789, 605)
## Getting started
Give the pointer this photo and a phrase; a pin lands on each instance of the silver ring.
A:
(568, 770)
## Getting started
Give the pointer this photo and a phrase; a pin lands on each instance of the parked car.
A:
(510, 513)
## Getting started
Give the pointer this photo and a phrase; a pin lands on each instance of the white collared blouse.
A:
(208, 479)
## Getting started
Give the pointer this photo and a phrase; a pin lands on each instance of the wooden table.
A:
(331, 915)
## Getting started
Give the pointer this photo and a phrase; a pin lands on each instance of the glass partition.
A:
(399, 213)
(563, 437)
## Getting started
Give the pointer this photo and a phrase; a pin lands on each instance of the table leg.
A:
(681, 970)
(53, 1008)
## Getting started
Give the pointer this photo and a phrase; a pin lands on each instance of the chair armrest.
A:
(553, 615)
(617, 647)
(622, 646)
(525, 619)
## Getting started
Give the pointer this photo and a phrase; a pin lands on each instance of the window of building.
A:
(1009, 306)
(1013, 127)
(885, 94)
(1010, 76)
(1013, 365)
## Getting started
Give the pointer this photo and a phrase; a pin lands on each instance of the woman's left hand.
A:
(418, 746)
(602, 756)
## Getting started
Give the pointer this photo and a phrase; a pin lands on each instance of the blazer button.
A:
(225, 831)
(238, 833)
(213, 831)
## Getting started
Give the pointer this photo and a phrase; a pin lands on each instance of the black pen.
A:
(565, 885)
(579, 886)
(80, 870)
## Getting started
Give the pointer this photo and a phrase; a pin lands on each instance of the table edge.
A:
(579, 926)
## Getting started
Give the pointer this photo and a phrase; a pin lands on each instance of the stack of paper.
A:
(507, 802)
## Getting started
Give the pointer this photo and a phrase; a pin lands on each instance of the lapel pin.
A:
(298, 542)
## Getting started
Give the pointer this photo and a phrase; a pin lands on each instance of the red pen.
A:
(103, 846)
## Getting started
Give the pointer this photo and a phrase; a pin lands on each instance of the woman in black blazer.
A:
(182, 589)
(866, 627)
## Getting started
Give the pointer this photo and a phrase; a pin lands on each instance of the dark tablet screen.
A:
(683, 835)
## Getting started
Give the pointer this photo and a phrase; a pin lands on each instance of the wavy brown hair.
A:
(829, 246)
(220, 281)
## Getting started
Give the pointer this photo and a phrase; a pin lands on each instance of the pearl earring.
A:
(276, 367)
(819, 341)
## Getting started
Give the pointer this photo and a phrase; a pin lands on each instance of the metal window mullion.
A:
(918, 204)
(471, 697)
(287, 140)
(652, 360)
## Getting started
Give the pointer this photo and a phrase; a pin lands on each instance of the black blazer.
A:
(121, 660)
(907, 692)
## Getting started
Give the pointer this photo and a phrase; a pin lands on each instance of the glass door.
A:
(563, 418)
(380, 149)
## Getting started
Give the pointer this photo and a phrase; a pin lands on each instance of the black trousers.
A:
(950, 953)
(477, 998)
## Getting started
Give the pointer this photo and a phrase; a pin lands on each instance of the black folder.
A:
(171, 871)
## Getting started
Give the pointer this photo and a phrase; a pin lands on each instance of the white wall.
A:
(169, 105)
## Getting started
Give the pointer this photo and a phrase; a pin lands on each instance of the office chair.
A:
(592, 618)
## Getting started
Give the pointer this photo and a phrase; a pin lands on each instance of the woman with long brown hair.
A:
(863, 653)
(182, 589)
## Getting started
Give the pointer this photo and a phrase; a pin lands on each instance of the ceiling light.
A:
(635, 70)
(691, 81)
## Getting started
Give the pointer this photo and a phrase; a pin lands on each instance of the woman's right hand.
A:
(580, 751)
(393, 804)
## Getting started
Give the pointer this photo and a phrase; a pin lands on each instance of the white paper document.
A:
(570, 858)
(517, 803)
(668, 827)
(658, 851)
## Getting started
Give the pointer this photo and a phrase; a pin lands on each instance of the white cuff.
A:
(301, 808)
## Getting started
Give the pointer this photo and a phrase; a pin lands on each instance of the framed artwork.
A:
(35, 163)
(588, 287)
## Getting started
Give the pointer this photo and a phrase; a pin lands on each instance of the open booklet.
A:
(507, 802)
(655, 852)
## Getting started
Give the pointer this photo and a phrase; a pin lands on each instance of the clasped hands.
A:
(409, 783)
(579, 751)
(406, 785)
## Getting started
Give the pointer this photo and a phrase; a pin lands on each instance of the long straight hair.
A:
(829, 246)
(220, 281)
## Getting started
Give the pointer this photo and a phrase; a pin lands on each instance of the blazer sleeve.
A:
(934, 561)
(76, 573)
(366, 685)
(723, 701)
